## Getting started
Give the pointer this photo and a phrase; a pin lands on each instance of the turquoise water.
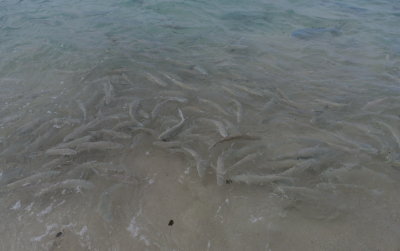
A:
(250, 125)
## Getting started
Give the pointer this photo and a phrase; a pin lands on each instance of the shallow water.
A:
(252, 125)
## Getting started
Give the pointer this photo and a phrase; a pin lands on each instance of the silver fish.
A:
(98, 146)
(38, 177)
(92, 124)
(168, 144)
(105, 207)
(61, 151)
(214, 105)
(133, 108)
(239, 110)
(111, 134)
(83, 109)
(156, 80)
(172, 131)
(157, 107)
(108, 90)
(200, 163)
(75, 142)
(179, 83)
(250, 179)
(200, 69)
(220, 170)
(76, 184)
(220, 126)
(247, 158)
(235, 137)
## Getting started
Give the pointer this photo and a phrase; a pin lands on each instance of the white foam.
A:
(83, 230)
(45, 211)
(48, 230)
(146, 241)
(29, 207)
(254, 219)
(16, 206)
(133, 228)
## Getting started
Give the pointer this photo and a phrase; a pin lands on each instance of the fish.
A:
(230, 127)
(137, 139)
(144, 114)
(247, 158)
(76, 184)
(193, 109)
(199, 138)
(395, 133)
(43, 127)
(200, 163)
(251, 179)
(235, 137)
(150, 131)
(126, 78)
(80, 129)
(269, 105)
(329, 103)
(30, 126)
(92, 124)
(10, 118)
(83, 109)
(214, 105)
(171, 93)
(285, 98)
(61, 151)
(220, 169)
(108, 92)
(157, 107)
(350, 9)
(40, 140)
(54, 163)
(82, 172)
(105, 207)
(133, 108)
(304, 153)
(239, 110)
(98, 146)
(172, 131)
(156, 80)
(235, 93)
(168, 144)
(297, 192)
(98, 168)
(250, 91)
(124, 125)
(200, 69)
(110, 134)
(300, 167)
(182, 100)
(38, 177)
(73, 143)
(220, 126)
(374, 103)
(179, 83)
(312, 33)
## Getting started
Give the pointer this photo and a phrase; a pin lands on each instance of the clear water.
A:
(199, 125)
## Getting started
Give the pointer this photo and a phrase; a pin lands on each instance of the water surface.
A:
(199, 125)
